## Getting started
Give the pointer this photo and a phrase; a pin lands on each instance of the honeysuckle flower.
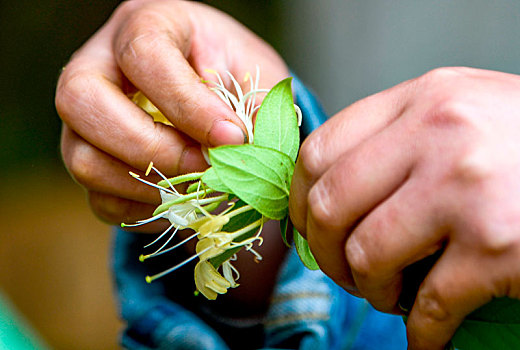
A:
(242, 103)
(142, 101)
(180, 210)
(209, 281)
(216, 247)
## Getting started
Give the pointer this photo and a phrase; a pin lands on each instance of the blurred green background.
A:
(54, 265)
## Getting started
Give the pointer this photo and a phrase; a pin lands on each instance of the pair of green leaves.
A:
(495, 325)
(260, 174)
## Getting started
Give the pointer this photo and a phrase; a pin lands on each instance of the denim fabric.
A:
(308, 311)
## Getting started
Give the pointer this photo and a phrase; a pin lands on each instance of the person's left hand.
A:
(430, 165)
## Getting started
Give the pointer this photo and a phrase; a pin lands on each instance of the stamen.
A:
(144, 257)
(237, 86)
(164, 245)
(137, 177)
(194, 187)
(253, 92)
(162, 176)
(150, 279)
(161, 236)
(257, 255)
(150, 166)
(142, 222)
(247, 77)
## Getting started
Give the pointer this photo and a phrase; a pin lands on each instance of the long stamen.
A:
(144, 257)
(137, 177)
(165, 243)
(238, 88)
(142, 222)
(150, 279)
(161, 175)
(253, 93)
(257, 255)
(194, 187)
(161, 236)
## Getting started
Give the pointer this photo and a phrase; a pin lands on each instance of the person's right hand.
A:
(162, 49)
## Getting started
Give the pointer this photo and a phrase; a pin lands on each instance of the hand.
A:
(160, 48)
(431, 164)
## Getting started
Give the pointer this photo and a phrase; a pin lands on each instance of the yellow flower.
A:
(142, 101)
(209, 281)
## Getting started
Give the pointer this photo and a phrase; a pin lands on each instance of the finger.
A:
(97, 110)
(359, 180)
(341, 133)
(452, 289)
(115, 210)
(152, 49)
(98, 171)
(400, 231)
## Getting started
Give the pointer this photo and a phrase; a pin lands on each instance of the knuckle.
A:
(358, 259)
(311, 156)
(442, 74)
(146, 30)
(431, 304)
(497, 238)
(448, 110)
(137, 26)
(473, 168)
(74, 92)
(80, 162)
(321, 209)
(450, 104)
(69, 91)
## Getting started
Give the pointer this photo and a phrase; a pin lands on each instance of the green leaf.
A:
(211, 180)
(276, 125)
(495, 325)
(259, 176)
(500, 310)
(481, 335)
(304, 252)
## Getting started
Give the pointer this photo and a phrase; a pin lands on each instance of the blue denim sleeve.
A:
(308, 311)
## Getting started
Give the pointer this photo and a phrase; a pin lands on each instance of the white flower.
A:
(181, 210)
(242, 103)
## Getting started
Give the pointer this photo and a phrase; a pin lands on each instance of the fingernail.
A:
(224, 132)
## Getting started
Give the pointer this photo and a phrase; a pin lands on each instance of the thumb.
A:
(150, 50)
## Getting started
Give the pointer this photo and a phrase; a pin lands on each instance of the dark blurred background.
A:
(54, 252)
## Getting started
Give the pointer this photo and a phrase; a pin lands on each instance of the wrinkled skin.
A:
(161, 48)
(431, 163)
